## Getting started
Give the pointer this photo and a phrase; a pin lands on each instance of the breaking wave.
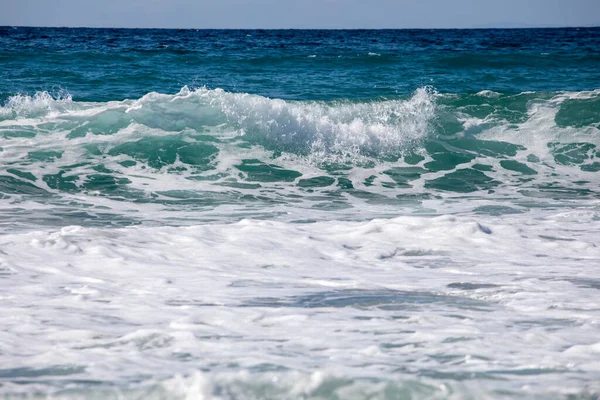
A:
(210, 148)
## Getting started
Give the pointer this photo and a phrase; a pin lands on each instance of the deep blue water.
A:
(114, 64)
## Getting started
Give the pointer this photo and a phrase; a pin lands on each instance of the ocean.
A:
(264, 214)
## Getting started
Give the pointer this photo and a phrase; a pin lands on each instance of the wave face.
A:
(299, 214)
(204, 149)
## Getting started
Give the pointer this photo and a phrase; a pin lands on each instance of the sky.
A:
(272, 14)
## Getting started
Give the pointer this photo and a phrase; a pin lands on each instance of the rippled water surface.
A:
(299, 214)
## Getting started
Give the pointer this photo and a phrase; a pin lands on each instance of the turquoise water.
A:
(299, 214)
(308, 120)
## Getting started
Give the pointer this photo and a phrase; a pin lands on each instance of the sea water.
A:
(299, 214)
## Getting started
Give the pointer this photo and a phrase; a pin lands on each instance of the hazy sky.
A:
(300, 13)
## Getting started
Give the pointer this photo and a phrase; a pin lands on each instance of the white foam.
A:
(372, 308)
(340, 127)
(488, 93)
(24, 105)
(349, 301)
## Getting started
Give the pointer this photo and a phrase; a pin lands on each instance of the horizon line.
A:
(507, 27)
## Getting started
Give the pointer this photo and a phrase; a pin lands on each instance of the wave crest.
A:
(22, 105)
(330, 128)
